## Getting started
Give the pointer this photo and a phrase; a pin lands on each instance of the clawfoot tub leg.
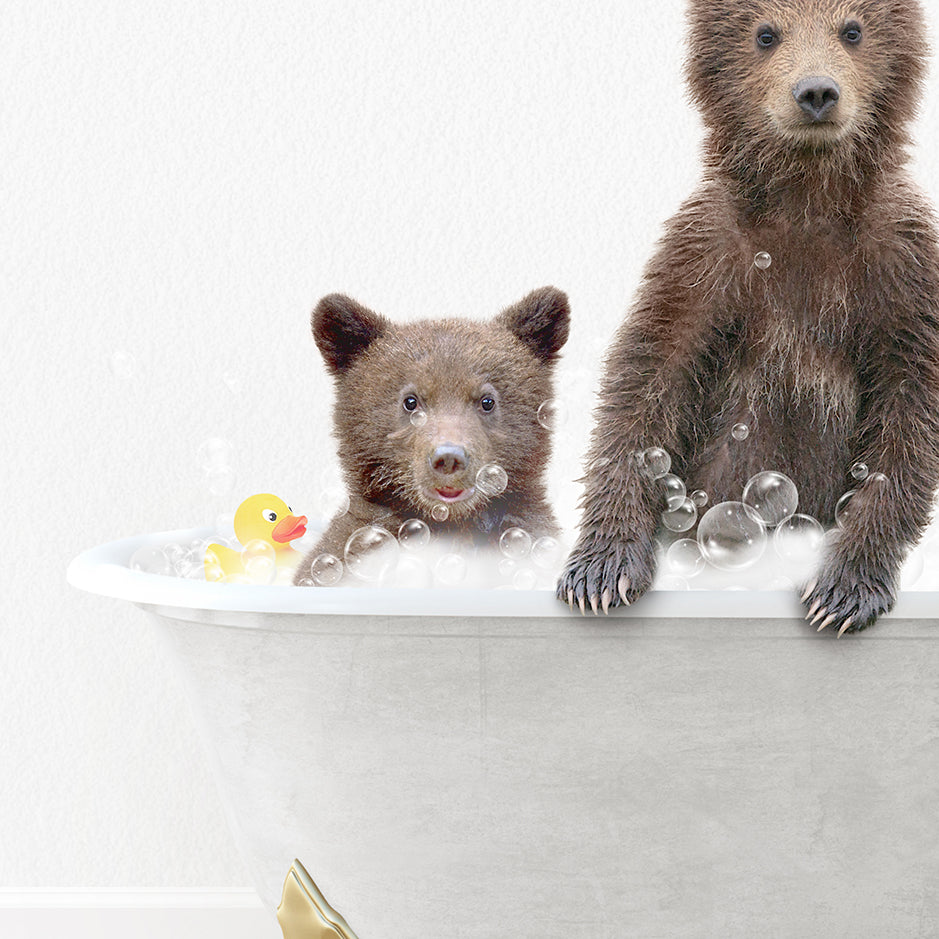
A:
(304, 913)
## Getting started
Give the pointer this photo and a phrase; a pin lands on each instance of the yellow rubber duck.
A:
(265, 526)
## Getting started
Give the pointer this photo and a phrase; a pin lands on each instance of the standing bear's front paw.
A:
(847, 597)
(605, 573)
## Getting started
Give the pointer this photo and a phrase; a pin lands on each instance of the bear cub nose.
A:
(817, 96)
(448, 459)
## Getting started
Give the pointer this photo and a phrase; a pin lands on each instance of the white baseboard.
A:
(142, 914)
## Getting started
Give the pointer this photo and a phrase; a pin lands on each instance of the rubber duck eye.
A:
(269, 515)
(487, 402)
(766, 37)
(852, 33)
(410, 403)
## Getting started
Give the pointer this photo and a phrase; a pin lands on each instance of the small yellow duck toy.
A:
(265, 526)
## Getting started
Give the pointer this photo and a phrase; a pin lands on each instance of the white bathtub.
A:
(454, 764)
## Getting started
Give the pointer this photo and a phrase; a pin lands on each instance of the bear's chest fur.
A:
(785, 370)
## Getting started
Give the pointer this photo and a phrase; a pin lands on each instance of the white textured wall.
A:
(180, 182)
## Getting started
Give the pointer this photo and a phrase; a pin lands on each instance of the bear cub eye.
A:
(852, 33)
(487, 402)
(766, 37)
(410, 402)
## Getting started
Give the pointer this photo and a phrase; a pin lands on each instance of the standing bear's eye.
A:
(852, 33)
(410, 402)
(766, 37)
(487, 402)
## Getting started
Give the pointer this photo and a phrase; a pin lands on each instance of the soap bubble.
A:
(191, 567)
(326, 570)
(440, 512)
(876, 479)
(283, 577)
(797, 537)
(507, 567)
(731, 536)
(451, 570)
(419, 418)
(655, 462)
(550, 414)
(214, 454)
(672, 488)
(413, 573)
(843, 508)
(492, 479)
(781, 582)
(860, 471)
(332, 502)
(515, 543)
(684, 557)
(681, 518)
(220, 482)
(772, 496)
(151, 560)
(259, 561)
(213, 573)
(524, 579)
(672, 582)
(258, 548)
(260, 570)
(763, 260)
(413, 534)
(700, 498)
(371, 553)
(235, 579)
(740, 432)
(546, 552)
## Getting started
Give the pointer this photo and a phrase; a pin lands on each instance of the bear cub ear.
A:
(541, 320)
(344, 329)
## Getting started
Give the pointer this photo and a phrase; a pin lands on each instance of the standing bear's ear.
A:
(541, 320)
(344, 329)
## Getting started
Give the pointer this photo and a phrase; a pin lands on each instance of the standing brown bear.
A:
(797, 292)
(438, 420)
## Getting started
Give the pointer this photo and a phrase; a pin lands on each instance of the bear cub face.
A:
(422, 408)
(802, 76)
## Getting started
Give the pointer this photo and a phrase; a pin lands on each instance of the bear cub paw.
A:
(606, 573)
(845, 601)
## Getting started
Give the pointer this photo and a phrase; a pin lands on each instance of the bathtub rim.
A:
(103, 570)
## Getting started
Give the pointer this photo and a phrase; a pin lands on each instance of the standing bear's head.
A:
(422, 407)
(780, 81)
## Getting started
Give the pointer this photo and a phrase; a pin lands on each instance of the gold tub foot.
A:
(304, 913)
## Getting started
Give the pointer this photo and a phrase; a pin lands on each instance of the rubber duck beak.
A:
(289, 528)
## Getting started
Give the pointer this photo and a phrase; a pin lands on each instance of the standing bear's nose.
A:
(448, 459)
(817, 96)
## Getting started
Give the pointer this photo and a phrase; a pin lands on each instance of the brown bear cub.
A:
(797, 292)
(423, 407)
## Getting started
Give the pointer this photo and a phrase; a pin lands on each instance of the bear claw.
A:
(828, 621)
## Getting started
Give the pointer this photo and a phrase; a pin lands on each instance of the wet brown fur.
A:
(449, 365)
(830, 356)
